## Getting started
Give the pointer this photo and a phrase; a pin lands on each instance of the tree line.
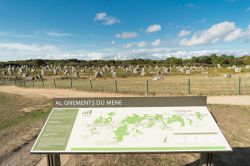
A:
(210, 61)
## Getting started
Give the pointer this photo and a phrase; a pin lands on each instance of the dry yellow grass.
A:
(18, 127)
(171, 85)
(233, 120)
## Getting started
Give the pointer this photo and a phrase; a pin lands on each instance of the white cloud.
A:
(129, 45)
(16, 51)
(235, 34)
(113, 42)
(126, 35)
(59, 34)
(184, 33)
(26, 47)
(226, 31)
(157, 42)
(246, 34)
(106, 19)
(14, 35)
(211, 35)
(20, 51)
(142, 44)
(153, 28)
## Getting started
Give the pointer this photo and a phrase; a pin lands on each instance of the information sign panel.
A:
(138, 124)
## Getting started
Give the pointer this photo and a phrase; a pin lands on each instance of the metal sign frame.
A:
(53, 158)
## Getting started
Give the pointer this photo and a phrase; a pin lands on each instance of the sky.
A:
(116, 29)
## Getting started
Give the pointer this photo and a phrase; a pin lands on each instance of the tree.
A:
(246, 60)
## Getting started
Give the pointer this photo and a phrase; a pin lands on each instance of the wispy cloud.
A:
(59, 34)
(26, 47)
(21, 51)
(184, 33)
(156, 42)
(129, 45)
(126, 35)
(106, 19)
(247, 9)
(192, 6)
(153, 28)
(202, 20)
(142, 44)
(15, 35)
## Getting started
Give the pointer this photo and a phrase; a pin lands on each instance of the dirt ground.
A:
(54, 93)
(21, 119)
(232, 118)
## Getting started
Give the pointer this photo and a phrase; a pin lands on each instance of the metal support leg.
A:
(53, 160)
(206, 159)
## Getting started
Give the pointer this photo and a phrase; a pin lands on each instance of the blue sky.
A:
(112, 29)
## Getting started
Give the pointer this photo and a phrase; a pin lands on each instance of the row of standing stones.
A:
(31, 73)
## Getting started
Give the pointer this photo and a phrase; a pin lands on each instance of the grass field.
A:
(171, 85)
(22, 118)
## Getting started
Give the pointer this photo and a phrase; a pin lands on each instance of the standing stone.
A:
(237, 70)
(157, 78)
(143, 72)
(227, 75)
(76, 74)
(98, 74)
(3, 73)
(9, 70)
(158, 73)
(55, 71)
(43, 72)
(136, 70)
(66, 72)
(32, 70)
(113, 74)
(188, 72)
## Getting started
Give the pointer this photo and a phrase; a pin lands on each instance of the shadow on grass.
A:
(239, 157)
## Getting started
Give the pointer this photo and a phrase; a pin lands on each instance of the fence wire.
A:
(211, 86)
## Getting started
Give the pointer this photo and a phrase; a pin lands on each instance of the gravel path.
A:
(54, 93)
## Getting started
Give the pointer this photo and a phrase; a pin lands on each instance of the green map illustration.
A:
(134, 124)
(131, 129)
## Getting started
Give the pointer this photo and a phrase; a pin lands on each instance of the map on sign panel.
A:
(131, 129)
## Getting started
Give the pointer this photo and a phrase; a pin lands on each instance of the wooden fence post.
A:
(116, 89)
(239, 86)
(189, 86)
(55, 82)
(42, 82)
(90, 82)
(147, 86)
